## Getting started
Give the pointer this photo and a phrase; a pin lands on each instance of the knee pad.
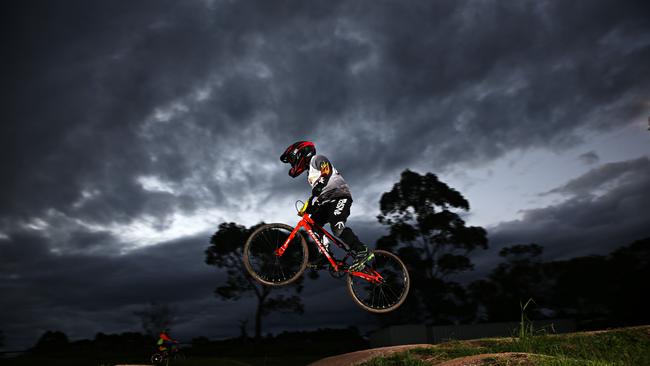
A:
(339, 228)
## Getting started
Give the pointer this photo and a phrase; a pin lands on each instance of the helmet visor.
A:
(289, 156)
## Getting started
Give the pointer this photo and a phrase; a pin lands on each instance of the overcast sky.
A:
(132, 129)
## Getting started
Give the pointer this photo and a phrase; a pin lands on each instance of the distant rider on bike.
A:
(330, 199)
(165, 343)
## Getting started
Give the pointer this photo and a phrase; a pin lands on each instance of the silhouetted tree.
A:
(433, 240)
(243, 329)
(155, 318)
(200, 346)
(51, 341)
(127, 342)
(226, 251)
(630, 276)
(598, 291)
(604, 289)
(581, 286)
(512, 283)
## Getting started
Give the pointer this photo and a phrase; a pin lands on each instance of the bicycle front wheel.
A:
(157, 359)
(389, 292)
(264, 265)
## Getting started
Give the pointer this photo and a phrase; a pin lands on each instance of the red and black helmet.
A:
(298, 155)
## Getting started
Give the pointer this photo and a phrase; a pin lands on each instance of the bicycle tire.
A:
(382, 258)
(296, 256)
(157, 359)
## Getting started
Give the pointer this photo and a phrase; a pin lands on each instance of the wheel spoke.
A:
(390, 288)
(262, 261)
(268, 241)
(390, 292)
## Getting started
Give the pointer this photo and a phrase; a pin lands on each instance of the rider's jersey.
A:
(164, 338)
(326, 182)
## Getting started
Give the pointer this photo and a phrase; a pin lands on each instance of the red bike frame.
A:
(307, 223)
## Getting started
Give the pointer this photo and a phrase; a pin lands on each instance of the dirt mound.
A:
(358, 357)
(355, 358)
(507, 358)
(435, 358)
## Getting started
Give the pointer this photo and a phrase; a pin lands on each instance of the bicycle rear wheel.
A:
(388, 293)
(262, 262)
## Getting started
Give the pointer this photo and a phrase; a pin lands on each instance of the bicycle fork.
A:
(280, 251)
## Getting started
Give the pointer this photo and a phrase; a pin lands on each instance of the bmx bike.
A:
(167, 356)
(277, 254)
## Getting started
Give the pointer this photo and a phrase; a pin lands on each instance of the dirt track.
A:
(354, 358)
(507, 358)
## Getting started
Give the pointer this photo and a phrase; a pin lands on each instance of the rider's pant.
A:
(336, 212)
(166, 346)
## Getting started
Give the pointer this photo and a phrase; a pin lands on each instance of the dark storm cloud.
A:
(83, 78)
(589, 158)
(468, 82)
(606, 176)
(83, 294)
(603, 209)
(381, 85)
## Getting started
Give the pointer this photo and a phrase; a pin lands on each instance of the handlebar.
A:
(298, 205)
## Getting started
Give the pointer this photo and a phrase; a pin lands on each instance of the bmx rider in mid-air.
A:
(330, 199)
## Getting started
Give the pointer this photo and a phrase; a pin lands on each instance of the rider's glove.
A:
(304, 208)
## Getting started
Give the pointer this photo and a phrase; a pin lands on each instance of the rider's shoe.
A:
(361, 257)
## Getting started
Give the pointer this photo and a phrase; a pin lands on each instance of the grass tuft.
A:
(525, 325)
